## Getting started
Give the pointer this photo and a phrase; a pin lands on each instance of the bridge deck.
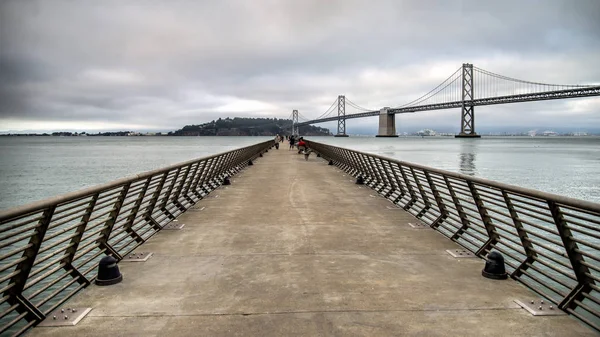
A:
(294, 247)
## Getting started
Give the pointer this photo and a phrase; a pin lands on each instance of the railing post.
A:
(423, 195)
(352, 159)
(215, 173)
(30, 254)
(228, 166)
(581, 271)
(382, 174)
(112, 218)
(378, 178)
(335, 154)
(175, 197)
(485, 218)
(398, 182)
(438, 200)
(167, 198)
(409, 187)
(387, 167)
(207, 176)
(367, 168)
(199, 176)
(461, 213)
(349, 159)
(354, 169)
(154, 200)
(134, 211)
(527, 246)
(242, 160)
(225, 164)
(342, 158)
(74, 244)
(186, 191)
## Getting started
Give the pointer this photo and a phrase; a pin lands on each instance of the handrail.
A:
(50, 249)
(551, 243)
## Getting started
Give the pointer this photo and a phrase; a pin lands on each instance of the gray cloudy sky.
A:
(160, 64)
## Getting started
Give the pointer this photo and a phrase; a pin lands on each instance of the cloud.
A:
(164, 64)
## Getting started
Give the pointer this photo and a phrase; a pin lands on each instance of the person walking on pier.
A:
(301, 145)
(292, 141)
(277, 140)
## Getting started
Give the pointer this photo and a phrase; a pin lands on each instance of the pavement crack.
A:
(299, 312)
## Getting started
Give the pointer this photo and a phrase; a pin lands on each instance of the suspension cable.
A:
(489, 73)
(356, 106)
(432, 90)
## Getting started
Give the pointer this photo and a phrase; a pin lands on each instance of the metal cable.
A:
(356, 106)
(422, 97)
(489, 73)
(327, 111)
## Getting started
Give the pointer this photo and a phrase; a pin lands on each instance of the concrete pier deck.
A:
(295, 248)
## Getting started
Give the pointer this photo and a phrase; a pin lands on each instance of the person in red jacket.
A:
(301, 145)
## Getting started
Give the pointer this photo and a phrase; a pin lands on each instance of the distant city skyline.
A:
(159, 65)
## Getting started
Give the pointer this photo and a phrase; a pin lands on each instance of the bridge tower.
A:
(341, 132)
(294, 123)
(467, 118)
(387, 124)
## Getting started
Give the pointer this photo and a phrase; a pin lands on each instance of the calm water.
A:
(34, 168)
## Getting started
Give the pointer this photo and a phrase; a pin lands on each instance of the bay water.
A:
(35, 168)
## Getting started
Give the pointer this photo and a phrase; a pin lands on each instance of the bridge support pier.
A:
(341, 132)
(387, 124)
(467, 117)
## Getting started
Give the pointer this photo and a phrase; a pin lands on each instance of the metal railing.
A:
(49, 250)
(550, 243)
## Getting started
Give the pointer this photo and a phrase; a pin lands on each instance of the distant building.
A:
(427, 132)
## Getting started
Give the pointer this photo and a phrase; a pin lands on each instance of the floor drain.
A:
(460, 253)
(540, 308)
(173, 226)
(65, 316)
(137, 257)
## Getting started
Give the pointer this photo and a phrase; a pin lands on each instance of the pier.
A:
(295, 247)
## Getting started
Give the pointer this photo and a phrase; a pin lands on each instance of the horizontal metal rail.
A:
(50, 249)
(539, 96)
(550, 242)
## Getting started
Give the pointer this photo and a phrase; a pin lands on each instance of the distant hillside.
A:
(247, 127)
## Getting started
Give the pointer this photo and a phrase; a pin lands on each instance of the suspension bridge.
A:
(466, 88)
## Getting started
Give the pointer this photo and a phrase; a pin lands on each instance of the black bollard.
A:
(108, 272)
(360, 180)
(330, 162)
(250, 163)
(226, 181)
(260, 155)
(318, 155)
(494, 267)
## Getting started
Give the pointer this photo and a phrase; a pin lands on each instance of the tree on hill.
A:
(239, 126)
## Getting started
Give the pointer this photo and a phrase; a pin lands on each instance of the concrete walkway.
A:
(295, 248)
